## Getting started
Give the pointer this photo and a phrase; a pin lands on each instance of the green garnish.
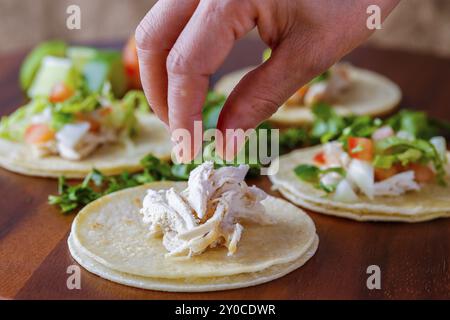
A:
(407, 151)
(13, 127)
(307, 172)
(327, 124)
(418, 124)
(96, 184)
(292, 138)
(211, 109)
(266, 54)
(311, 174)
(321, 77)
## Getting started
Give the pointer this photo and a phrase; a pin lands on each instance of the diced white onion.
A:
(72, 133)
(344, 192)
(361, 173)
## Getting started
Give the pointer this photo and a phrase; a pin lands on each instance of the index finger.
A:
(201, 48)
(155, 36)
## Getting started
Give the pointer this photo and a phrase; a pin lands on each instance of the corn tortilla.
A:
(204, 284)
(110, 232)
(431, 202)
(110, 159)
(370, 93)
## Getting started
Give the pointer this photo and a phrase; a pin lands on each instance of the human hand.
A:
(181, 43)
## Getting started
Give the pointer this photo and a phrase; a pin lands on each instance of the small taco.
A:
(70, 138)
(348, 89)
(374, 171)
(212, 233)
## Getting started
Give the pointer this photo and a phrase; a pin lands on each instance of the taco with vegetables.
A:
(394, 170)
(212, 233)
(348, 89)
(77, 118)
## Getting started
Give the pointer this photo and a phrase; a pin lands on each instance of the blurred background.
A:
(416, 25)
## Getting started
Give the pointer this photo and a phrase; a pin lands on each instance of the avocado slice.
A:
(32, 62)
(81, 55)
(52, 71)
(106, 66)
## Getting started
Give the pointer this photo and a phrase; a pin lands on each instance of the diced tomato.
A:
(320, 158)
(38, 133)
(360, 148)
(131, 63)
(422, 173)
(94, 125)
(382, 174)
(60, 92)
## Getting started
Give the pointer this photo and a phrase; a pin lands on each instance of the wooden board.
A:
(414, 258)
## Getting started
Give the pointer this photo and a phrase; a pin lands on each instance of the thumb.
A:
(263, 90)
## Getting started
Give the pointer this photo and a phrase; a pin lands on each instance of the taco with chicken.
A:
(212, 233)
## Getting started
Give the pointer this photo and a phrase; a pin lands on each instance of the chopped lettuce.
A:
(79, 103)
(418, 124)
(123, 116)
(33, 60)
(403, 158)
(13, 127)
(60, 119)
(137, 99)
(211, 110)
(400, 148)
(327, 124)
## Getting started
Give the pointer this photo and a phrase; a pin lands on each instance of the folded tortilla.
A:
(369, 94)
(109, 239)
(431, 202)
(110, 158)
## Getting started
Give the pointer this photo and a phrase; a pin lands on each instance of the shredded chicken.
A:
(396, 185)
(206, 214)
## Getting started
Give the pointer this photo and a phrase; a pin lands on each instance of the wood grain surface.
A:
(414, 258)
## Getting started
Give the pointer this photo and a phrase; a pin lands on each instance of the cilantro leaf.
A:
(96, 184)
(311, 174)
(327, 124)
(307, 172)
